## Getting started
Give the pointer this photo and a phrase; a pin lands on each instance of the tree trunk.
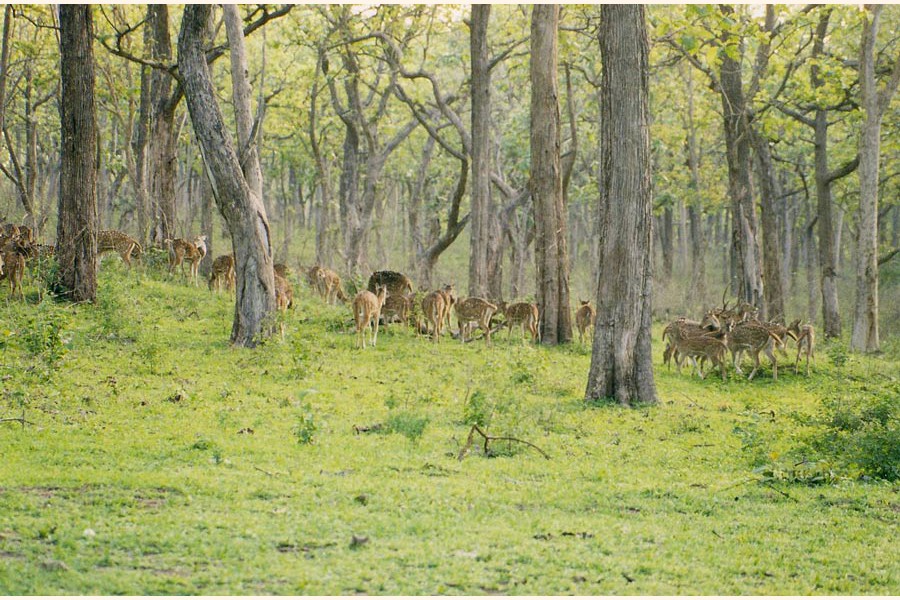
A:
(696, 293)
(248, 152)
(745, 244)
(481, 152)
(163, 163)
(667, 243)
(140, 143)
(76, 233)
(206, 222)
(242, 208)
(416, 201)
(769, 194)
(865, 337)
(551, 242)
(621, 360)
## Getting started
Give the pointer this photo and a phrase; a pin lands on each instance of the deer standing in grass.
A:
(584, 318)
(434, 306)
(523, 314)
(806, 340)
(181, 250)
(366, 312)
(478, 311)
(110, 240)
(222, 273)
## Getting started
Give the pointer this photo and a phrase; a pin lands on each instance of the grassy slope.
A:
(136, 438)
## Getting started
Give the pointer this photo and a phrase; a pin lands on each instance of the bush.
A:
(406, 424)
(860, 432)
(42, 334)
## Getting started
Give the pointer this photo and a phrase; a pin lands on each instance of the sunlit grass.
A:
(158, 460)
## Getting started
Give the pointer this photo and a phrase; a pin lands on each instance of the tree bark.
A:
(163, 151)
(206, 222)
(479, 243)
(248, 153)
(243, 210)
(769, 194)
(551, 238)
(76, 233)
(621, 360)
(744, 240)
(865, 337)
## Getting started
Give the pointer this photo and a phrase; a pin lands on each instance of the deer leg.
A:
(755, 365)
(375, 334)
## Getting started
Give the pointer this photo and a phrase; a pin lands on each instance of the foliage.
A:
(305, 427)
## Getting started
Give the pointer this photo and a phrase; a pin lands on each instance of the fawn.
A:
(475, 310)
(584, 318)
(366, 312)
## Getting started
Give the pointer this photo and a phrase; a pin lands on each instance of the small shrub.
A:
(837, 353)
(478, 410)
(42, 334)
(305, 428)
(407, 424)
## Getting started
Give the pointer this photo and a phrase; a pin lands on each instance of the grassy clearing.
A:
(162, 461)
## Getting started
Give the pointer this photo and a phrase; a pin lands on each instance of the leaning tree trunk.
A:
(481, 152)
(551, 245)
(865, 324)
(621, 360)
(242, 208)
(76, 232)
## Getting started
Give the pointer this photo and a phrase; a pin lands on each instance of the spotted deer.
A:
(523, 314)
(396, 283)
(222, 273)
(705, 347)
(434, 305)
(806, 340)
(284, 293)
(450, 301)
(679, 327)
(12, 259)
(366, 312)
(397, 308)
(753, 338)
(328, 284)
(181, 250)
(478, 311)
(282, 270)
(110, 240)
(584, 318)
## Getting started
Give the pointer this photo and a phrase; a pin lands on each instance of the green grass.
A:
(161, 461)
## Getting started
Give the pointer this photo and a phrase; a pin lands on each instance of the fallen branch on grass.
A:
(21, 420)
(492, 438)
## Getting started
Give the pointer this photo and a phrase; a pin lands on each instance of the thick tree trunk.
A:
(163, 157)
(744, 229)
(769, 194)
(551, 243)
(865, 337)
(76, 232)
(479, 240)
(242, 208)
(621, 360)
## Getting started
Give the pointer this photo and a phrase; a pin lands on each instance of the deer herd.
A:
(390, 297)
